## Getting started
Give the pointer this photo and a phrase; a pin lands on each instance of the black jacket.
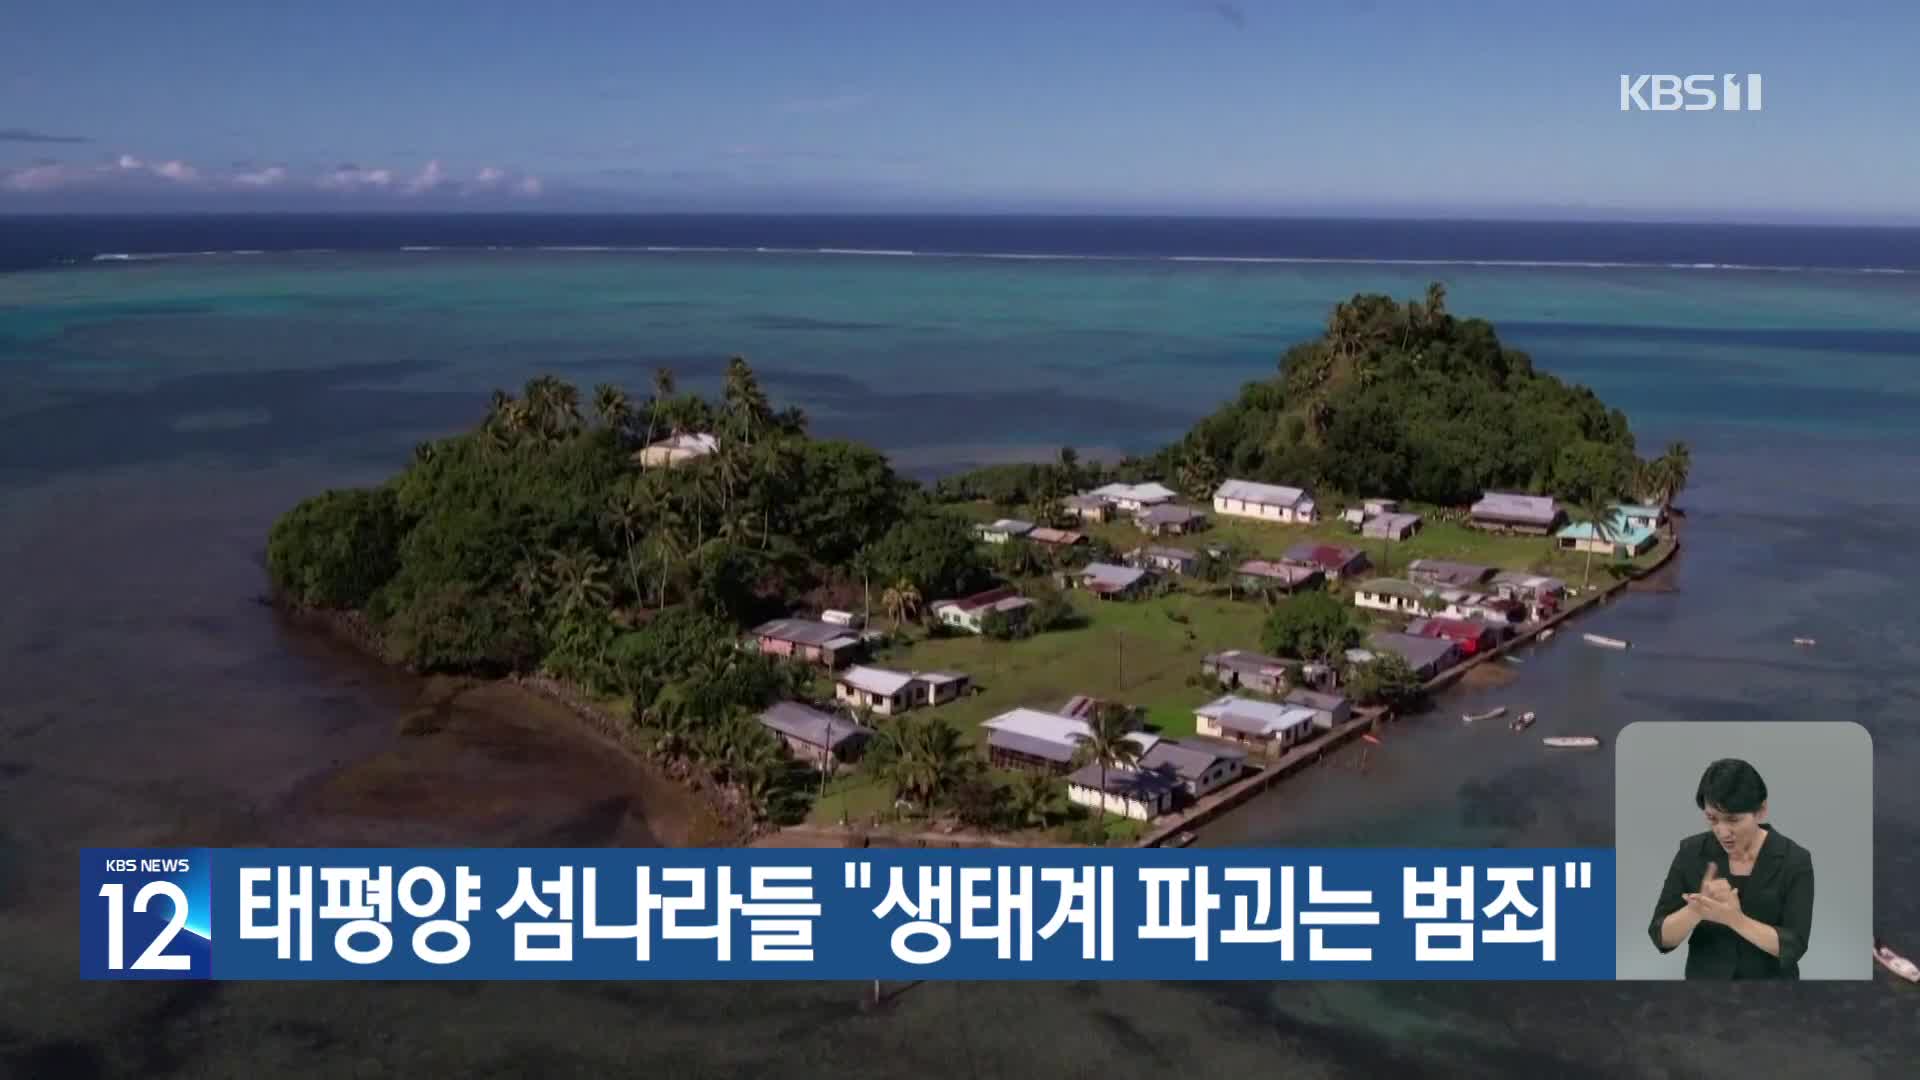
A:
(1779, 893)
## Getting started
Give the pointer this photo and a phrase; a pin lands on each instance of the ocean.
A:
(168, 386)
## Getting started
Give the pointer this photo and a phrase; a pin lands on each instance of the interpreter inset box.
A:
(1744, 850)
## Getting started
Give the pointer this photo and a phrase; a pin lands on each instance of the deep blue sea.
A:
(169, 385)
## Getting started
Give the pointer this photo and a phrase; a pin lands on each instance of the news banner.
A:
(704, 914)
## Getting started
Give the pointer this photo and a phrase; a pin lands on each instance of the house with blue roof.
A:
(1626, 535)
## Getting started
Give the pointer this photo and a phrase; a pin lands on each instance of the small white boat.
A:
(1490, 714)
(1513, 660)
(1604, 642)
(1181, 839)
(1572, 742)
(1547, 633)
(1523, 721)
(1896, 963)
(1804, 642)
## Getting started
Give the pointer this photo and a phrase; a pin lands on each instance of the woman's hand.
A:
(1720, 905)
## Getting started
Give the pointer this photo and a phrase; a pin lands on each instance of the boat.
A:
(1523, 721)
(1513, 660)
(1368, 736)
(1497, 711)
(1181, 839)
(1572, 742)
(1604, 642)
(1804, 642)
(1547, 633)
(1894, 962)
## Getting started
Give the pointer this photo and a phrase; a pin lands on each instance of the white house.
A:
(970, 612)
(999, 532)
(1245, 720)
(1265, 502)
(675, 449)
(1329, 710)
(1140, 794)
(1134, 497)
(885, 692)
(1393, 595)
(1033, 738)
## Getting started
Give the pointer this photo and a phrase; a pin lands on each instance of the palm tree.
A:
(923, 759)
(422, 453)
(1598, 516)
(579, 580)
(1679, 466)
(610, 404)
(626, 514)
(901, 601)
(1199, 474)
(1069, 467)
(671, 713)
(663, 386)
(1032, 798)
(745, 401)
(1106, 741)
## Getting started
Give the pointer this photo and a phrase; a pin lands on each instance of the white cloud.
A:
(272, 176)
(128, 173)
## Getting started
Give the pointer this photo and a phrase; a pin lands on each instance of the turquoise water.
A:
(154, 417)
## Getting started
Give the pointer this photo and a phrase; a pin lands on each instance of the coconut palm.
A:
(423, 453)
(670, 713)
(1031, 799)
(578, 579)
(663, 386)
(1105, 741)
(900, 601)
(746, 403)
(1679, 466)
(1597, 515)
(922, 758)
(610, 404)
(628, 510)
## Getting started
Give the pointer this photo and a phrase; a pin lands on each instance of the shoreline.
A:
(1238, 793)
(725, 808)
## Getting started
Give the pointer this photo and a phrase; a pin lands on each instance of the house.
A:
(1426, 656)
(1535, 515)
(826, 740)
(1541, 596)
(1238, 669)
(1332, 559)
(1055, 538)
(1376, 507)
(1168, 519)
(1259, 575)
(1265, 502)
(1110, 582)
(1642, 516)
(999, 532)
(848, 619)
(1391, 526)
(1202, 767)
(940, 687)
(804, 639)
(1329, 710)
(1439, 573)
(1033, 739)
(1471, 635)
(678, 448)
(1140, 794)
(1087, 507)
(970, 612)
(1269, 726)
(1623, 539)
(1393, 595)
(1490, 607)
(1171, 560)
(885, 692)
(1133, 498)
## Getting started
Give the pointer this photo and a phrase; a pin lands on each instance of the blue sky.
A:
(1495, 108)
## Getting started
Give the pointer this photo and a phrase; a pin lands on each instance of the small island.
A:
(1068, 651)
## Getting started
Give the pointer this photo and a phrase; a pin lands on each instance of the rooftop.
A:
(1169, 514)
(1289, 572)
(805, 632)
(1106, 577)
(811, 726)
(1254, 717)
(1149, 492)
(1044, 535)
(1243, 660)
(876, 680)
(1261, 494)
(1061, 733)
(1417, 651)
(1314, 699)
(1188, 760)
(1391, 587)
(1618, 530)
(1453, 573)
(1155, 551)
(1126, 783)
(689, 442)
(1507, 506)
(1009, 525)
(1325, 556)
(1004, 598)
(1388, 523)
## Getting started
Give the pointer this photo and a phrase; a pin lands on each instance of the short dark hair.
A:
(1731, 785)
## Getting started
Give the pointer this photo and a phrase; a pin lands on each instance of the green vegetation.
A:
(539, 542)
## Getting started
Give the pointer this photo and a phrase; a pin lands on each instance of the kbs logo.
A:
(1688, 93)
